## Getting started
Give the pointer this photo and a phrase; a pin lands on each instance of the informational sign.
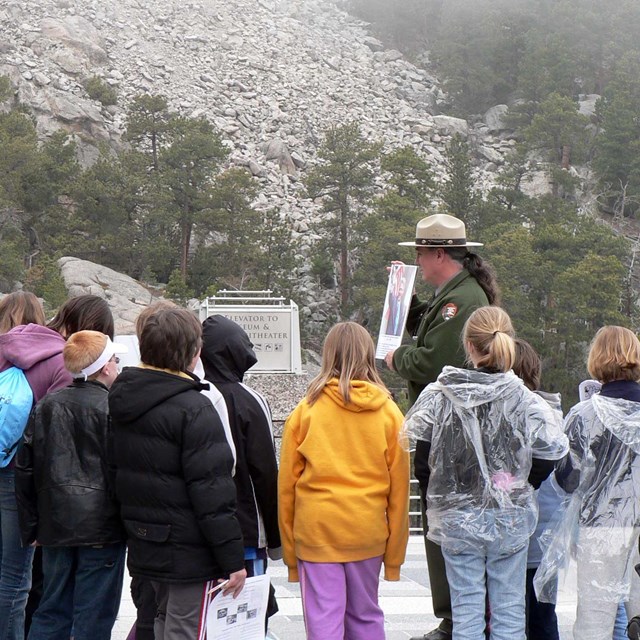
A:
(396, 308)
(271, 323)
(269, 332)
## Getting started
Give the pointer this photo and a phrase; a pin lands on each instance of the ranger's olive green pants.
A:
(440, 596)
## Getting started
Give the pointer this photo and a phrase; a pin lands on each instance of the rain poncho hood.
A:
(604, 507)
(619, 417)
(483, 428)
(227, 352)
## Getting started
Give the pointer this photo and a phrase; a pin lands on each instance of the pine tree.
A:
(177, 289)
(392, 219)
(617, 161)
(188, 166)
(344, 180)
(457, 192)
(148, 122)
(562, 276)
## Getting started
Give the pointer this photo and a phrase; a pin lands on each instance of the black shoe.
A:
(633, 629)
(436, 634)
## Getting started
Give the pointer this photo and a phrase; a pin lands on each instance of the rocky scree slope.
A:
(271, 74)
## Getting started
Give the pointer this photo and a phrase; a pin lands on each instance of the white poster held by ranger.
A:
(240, 618)
(396, 308)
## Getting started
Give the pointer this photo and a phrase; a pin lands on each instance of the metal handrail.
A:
(212, 301)
(235, 295)
(243, 291)
(413, 497)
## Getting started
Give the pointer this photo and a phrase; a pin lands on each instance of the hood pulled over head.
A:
(227, 353)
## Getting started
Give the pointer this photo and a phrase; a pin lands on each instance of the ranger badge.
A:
(449, 310)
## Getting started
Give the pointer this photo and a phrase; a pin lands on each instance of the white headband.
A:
(110, 350)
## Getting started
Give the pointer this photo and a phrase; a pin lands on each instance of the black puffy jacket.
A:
(173, 479)
(226, 356)
(65, 495)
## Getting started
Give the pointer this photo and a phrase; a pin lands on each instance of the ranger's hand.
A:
(389, 360)
(395, 262)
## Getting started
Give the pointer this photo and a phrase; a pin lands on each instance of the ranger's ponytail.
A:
(485, 276)
(480, 270)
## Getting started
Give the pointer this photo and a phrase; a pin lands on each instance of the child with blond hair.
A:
(602, 471)
(479, 430)
(344, 491)
(66, 501)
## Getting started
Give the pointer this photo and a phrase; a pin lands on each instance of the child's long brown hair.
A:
(20, 307)
(348, 354)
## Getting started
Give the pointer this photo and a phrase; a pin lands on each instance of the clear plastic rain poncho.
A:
(600, 525)
(484, 429)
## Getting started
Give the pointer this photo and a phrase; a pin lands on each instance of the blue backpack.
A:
(16, 400)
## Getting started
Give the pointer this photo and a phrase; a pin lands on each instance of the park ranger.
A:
(463, 282)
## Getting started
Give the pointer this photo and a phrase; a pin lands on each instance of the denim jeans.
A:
(82, 590)
(505, 583)
(620, 626)
(15, 563)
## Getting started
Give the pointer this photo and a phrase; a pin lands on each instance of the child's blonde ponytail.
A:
(490, 331)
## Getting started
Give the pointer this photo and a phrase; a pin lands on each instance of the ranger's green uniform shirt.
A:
(437, 326)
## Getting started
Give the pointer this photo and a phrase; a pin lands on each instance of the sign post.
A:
(272, 324)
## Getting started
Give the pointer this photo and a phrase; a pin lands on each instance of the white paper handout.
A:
(396, 308)
(241, 618)
(588, 388)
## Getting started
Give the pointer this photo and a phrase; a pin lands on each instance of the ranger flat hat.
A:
(440, 230)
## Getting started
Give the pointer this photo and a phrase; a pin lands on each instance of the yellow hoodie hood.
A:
(363, 396)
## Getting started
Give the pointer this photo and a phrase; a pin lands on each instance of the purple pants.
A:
(340, 600)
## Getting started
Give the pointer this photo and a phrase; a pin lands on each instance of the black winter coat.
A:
(64, 491)
(226, 356)
(173, 479)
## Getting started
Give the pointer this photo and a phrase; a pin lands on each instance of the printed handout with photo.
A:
(241, 618)
(588, 388)
(396, 308)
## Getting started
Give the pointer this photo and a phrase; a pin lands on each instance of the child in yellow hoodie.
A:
(344, 491)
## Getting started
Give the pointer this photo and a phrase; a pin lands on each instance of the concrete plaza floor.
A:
(407, 604)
